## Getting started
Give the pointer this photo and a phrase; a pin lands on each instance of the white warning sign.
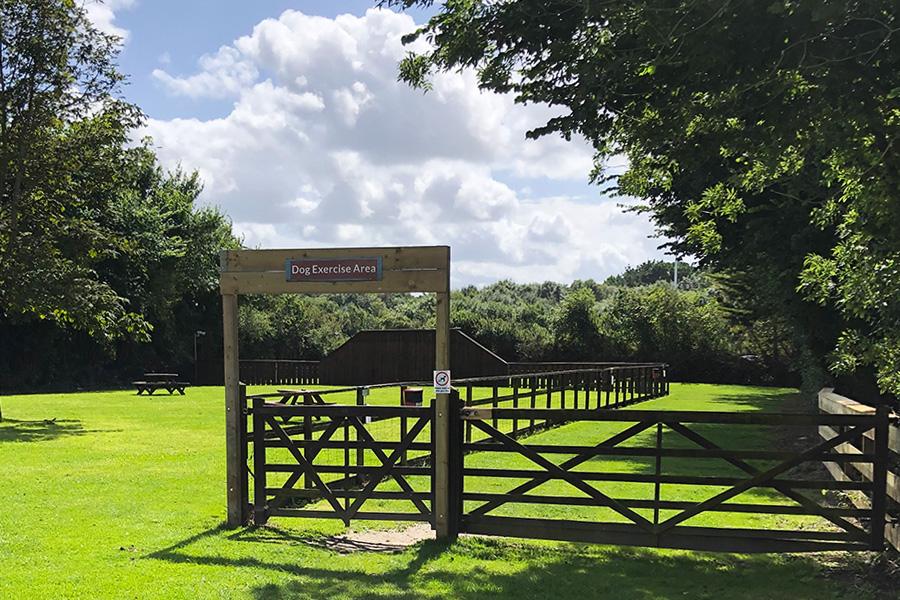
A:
(442, 382)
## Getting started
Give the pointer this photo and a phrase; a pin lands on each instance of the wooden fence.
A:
(593, 388)
(549, 366)
(835, 404)
(265, 371)
(622, 376)
(328, 441)
(303, 447)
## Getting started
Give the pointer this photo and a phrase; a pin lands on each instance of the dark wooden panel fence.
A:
(383, 356)
(279, 372)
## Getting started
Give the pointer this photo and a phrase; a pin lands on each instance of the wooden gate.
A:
(289, 470)
(632, 505)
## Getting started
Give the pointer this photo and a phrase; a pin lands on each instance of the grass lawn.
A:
(123, 497)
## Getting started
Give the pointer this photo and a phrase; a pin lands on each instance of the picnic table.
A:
(160, 381)
(308, 397)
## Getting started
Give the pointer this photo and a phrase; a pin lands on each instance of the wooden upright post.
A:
(443, 523)
(879, 476)
(234, 413)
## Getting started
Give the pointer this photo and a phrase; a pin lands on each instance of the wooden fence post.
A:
(607, 383)
(575, 390)
(495, 392)
(234, 413)
(360, 453)
(307, 437)
(533, 384)
(441, 423)
(658, 473)
(244, 443)
(617, 382)
(515, 423)
(468, 425)
(456, 456)
(879, 476)
(260, 509)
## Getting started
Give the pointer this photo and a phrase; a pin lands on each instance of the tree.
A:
(576, 327)
(63, 132)
(761, 138)
(687, 329)
(164, 264)
(650, 272)
(102, 253)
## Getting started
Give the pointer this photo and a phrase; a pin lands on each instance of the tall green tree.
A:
(103, 254)
(761, 137)
(63, 132)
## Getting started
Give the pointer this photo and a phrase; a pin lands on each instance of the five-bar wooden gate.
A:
(682, 446)
(344, 484)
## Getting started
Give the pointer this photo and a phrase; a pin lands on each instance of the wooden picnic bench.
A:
(160, 381)
(307, 397)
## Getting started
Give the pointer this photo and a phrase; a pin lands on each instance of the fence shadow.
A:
(566, 570)
(12, 430)
(475, 568)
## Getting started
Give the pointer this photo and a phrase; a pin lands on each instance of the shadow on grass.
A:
(475, 568)
(561, 573)
(338, 543)
(12, 430)
(767, 401)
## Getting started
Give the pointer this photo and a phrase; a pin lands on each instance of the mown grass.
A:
(109, 495)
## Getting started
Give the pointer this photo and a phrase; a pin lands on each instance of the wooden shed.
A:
(386, 356)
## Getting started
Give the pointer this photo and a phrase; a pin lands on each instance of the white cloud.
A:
(323, 146)
(102, 14)
(221, 75)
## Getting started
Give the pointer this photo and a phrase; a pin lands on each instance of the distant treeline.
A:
(636, 316)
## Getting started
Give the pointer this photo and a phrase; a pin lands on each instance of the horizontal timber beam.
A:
(402, 270)
(393, 258)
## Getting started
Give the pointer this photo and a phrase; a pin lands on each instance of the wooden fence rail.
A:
(271, 371)
(835, 404)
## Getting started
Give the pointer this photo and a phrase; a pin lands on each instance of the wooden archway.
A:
(330, 271)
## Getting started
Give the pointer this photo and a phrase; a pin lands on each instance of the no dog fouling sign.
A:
(442, 382)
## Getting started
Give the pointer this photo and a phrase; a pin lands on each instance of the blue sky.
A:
(180, 31)
(292, 115)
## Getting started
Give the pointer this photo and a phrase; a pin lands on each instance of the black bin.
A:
(411, 396)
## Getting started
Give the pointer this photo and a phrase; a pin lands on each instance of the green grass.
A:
(123, 497)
